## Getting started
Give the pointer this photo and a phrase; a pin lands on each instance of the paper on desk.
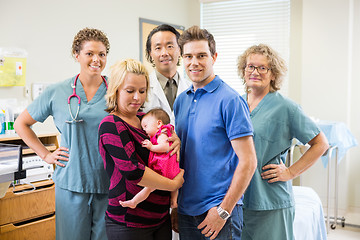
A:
(8, 167)
(3, 188)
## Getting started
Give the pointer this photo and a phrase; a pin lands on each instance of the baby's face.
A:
(150, 125)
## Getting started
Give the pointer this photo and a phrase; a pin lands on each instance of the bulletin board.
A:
(145, 27)
(12, 67)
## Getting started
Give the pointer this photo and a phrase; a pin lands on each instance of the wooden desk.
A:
(26, 213)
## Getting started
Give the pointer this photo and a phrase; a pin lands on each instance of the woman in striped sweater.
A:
(126, 161)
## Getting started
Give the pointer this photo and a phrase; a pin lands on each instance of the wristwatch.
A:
(223, 213)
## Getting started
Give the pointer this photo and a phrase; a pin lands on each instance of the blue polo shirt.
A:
(206, 121)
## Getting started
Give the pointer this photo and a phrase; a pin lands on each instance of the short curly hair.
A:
(276, 63)
(118, 74)
(89, 34)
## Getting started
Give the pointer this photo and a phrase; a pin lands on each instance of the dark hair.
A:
(196, 34)
(89, 34)
(159, 114)
(160, 28)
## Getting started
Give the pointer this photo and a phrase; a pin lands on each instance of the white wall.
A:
(325, 61)
(45, 29)
(354, 166)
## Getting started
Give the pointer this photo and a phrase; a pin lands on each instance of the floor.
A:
(351, 231)
(346, 233)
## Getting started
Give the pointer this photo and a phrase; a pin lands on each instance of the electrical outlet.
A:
(37, 89)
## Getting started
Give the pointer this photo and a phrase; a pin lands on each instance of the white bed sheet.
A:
(309, 223)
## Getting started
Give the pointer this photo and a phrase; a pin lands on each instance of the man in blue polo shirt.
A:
(217, 150)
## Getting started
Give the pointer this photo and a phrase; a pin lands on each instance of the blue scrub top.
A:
(206, 122)
(276, 121)
(84, 172)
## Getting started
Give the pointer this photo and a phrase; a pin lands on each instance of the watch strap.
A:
(223, 213)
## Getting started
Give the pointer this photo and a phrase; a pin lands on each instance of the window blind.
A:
(239, 24)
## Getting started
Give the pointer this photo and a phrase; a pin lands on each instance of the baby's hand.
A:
(147, 144)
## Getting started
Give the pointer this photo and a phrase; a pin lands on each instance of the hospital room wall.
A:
(324, 60)
(45, 29)
(324, 79)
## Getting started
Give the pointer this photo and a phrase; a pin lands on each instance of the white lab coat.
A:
(157, 98)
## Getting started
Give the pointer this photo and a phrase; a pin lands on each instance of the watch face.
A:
(224, 215)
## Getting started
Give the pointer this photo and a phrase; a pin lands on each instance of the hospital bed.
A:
(309, 223)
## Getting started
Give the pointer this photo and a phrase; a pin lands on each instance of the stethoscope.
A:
(74, 119)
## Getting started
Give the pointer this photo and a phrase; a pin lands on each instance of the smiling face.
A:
(198, 62)
(92, 58)
(165, 52)
(254, 80)
(131, 94)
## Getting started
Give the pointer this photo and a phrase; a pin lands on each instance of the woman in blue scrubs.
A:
(269, 206)
(81, 183)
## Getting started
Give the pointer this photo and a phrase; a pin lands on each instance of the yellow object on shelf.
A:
(12, 67)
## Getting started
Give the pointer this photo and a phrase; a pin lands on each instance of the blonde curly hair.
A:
(277, 65)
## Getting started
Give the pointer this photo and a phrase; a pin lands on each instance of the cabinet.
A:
(26, 213)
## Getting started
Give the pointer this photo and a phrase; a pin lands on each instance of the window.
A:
(239, 24)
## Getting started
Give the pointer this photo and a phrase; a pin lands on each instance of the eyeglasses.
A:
(260, 69)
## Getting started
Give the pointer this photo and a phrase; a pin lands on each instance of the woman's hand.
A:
(176, 144)
(276, 173)
(178, 180)
(59, 154)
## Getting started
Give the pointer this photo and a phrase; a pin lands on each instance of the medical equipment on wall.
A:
(12, 67)
(74, 119)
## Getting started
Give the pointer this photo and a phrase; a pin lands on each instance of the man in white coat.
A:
(163, 51)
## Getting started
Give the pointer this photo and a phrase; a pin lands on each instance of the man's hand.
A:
(212, 224)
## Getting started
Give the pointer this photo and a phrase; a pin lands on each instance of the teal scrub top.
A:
(84, 172)
(276, 121)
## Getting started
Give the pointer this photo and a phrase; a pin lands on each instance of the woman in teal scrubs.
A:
(268, 202)
(81, 183)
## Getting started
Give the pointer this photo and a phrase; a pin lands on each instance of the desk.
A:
(26, 213)
(340, 140)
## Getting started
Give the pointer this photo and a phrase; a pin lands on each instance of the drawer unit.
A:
(43, 229)
(28, 212)
(25, 204)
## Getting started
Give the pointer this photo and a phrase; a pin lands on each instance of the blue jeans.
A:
(232, 229)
